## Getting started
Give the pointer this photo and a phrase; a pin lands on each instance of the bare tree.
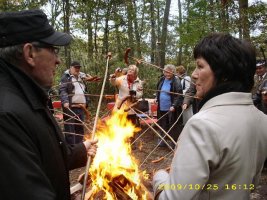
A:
(153, 31)
(180, 33)
(136, 31)
(244, 26)
(130, 29)
(106, 28)
(66, 17)
(164, 32)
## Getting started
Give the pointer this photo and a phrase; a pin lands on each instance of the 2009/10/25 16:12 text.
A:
(206, 187)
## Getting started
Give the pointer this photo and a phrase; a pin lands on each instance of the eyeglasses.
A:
(53, 49)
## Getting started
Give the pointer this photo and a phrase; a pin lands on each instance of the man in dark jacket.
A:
(34, 157)
(74, 102)
(260, 82)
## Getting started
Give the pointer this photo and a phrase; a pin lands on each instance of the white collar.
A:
(229, 98)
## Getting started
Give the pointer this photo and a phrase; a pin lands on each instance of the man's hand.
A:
(184, 106)
(66, 105)
(172, 109)
(91, 146)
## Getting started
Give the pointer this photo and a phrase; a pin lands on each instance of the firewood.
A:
(122, 181)
(149, 194)
(99, 195)
(118, 191)
(117, 185)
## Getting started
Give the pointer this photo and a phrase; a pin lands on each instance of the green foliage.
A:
(15, 5)
(87, 25)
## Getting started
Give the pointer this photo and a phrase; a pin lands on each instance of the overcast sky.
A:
(174, 7)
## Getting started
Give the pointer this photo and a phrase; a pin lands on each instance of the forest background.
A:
(158, 31)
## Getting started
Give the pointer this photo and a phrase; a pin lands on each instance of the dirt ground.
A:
(146, 144)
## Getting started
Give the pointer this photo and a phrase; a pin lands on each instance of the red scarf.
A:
(130, 80)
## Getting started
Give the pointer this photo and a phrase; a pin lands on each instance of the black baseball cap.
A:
(28, 26)
(260, 63)
(75, 64)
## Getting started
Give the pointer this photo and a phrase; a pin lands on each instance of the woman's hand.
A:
(172, 109)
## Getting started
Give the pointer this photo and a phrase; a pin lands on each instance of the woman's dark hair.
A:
(232, 61)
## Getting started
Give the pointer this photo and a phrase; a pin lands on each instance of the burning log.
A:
(122, 181)
(113, 159)
(98, 196)
(118, 185)
(120, 194)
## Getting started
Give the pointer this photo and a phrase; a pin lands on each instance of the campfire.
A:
(114, 172)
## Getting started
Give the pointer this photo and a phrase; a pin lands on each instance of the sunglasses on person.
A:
(51, 48)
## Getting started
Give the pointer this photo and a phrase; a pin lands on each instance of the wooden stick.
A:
(95, 123)
(158, 67)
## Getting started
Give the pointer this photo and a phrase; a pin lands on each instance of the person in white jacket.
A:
(186, 83)
(130, 89)
(222, 149)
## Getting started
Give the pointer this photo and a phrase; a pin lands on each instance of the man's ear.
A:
(29, 53)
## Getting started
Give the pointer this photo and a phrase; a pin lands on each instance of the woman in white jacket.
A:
(221, 150)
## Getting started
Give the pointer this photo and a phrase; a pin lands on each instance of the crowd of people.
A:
(224, 145)
(221, 138)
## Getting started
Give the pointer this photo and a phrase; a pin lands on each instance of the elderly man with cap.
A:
(35, 159)
(74, 101)
(260, 79)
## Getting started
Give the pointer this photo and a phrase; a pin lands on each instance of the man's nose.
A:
(58, 60)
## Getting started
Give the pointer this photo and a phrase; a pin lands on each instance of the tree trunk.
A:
(106, 29)
(212, 14)
(96, 29)
(153, 32)
(118, 44)
(130, 25)
(158, 34)
(243, 6)
(55, 11)
(90, 47)
(180, 53)
(66, 15)
(187, 23)
(224, 16)
(136, 31)
(164, 33)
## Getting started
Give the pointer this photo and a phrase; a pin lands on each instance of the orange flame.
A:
(114, 159)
